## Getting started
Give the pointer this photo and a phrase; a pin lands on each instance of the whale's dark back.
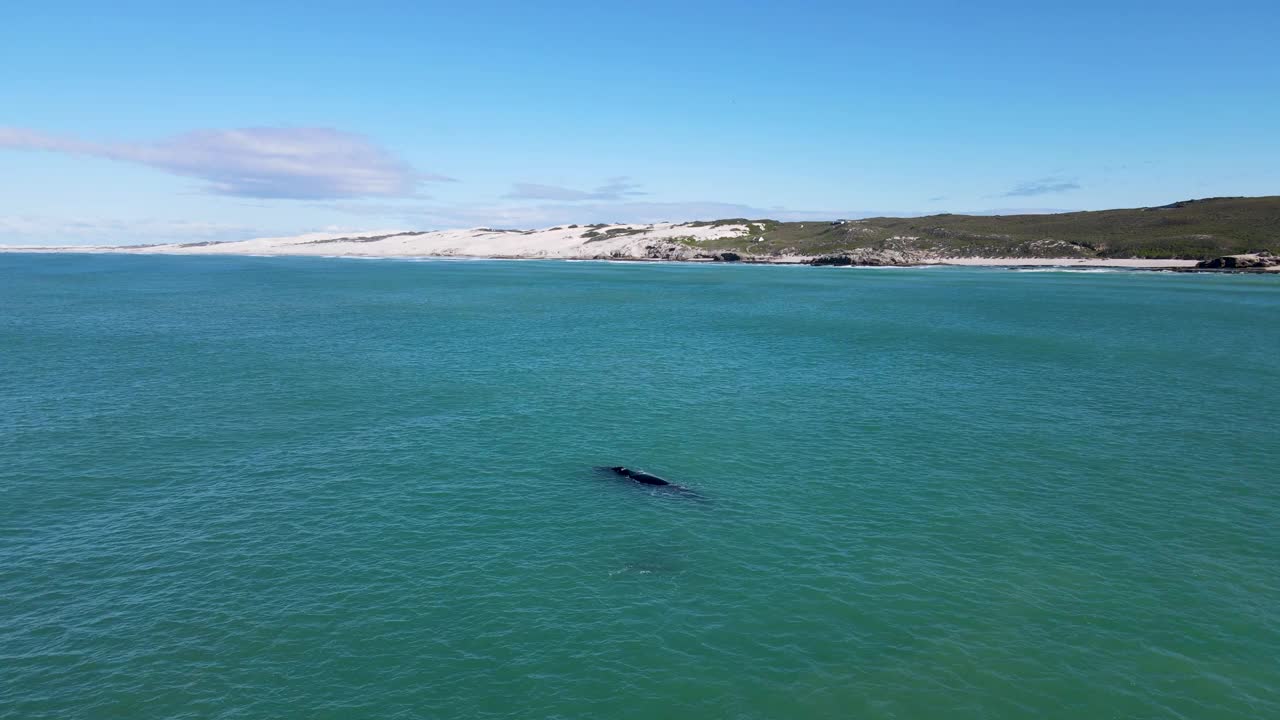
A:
(640, 477)
(644, 478)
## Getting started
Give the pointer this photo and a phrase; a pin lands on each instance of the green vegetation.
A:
(596, 235)
(362, 239)
(1192, 229)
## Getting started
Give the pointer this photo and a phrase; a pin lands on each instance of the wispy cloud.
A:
(36, 230)
(1018, 211)
(312, 163)
(1042, 186)
(614, 188)
(439, 216)
(406, 215)
(43, 231)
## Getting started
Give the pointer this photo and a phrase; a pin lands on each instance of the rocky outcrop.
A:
(1246, 261)
(646, 250)
(870, 257)
(726, 257)
(663, 250)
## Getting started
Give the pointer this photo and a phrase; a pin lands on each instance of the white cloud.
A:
(615, 188)
(313, 163)
(33, 230)
(44, 231)
(1042, 186)
(427, 216)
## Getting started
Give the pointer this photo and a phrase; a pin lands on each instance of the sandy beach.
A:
(1070, 262)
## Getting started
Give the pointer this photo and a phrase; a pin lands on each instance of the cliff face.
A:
(1249, 261)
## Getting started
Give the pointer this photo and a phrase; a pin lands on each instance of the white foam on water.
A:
(888, 267)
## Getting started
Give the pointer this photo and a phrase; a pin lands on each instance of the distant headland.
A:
(1219, 234)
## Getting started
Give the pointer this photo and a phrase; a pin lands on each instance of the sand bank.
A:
(1069, 262)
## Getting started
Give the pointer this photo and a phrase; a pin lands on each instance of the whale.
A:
(644, 478)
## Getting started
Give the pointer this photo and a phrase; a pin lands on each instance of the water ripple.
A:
(255, 487)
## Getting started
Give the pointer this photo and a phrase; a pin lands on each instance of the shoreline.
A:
(728, 242)
(1227, 235)
(1132, 263)
(1011, 263)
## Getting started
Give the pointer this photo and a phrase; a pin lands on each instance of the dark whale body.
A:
(644, 478)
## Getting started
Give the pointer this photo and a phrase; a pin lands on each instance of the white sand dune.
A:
(583, 242)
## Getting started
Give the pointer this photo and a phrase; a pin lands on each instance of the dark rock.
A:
(664, 250)
(1239, 262)
(872, 258)
(838, 260)
(726, 257)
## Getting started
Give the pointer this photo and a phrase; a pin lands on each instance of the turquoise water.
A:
(254, 488)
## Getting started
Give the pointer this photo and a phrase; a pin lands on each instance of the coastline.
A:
(1150, 264)
(1131, 263)
(661, 242)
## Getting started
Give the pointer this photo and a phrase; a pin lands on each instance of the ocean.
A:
(238, 487)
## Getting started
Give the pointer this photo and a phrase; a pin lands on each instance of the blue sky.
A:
(147, 122)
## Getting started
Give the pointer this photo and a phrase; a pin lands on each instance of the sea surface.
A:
(237, 487)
